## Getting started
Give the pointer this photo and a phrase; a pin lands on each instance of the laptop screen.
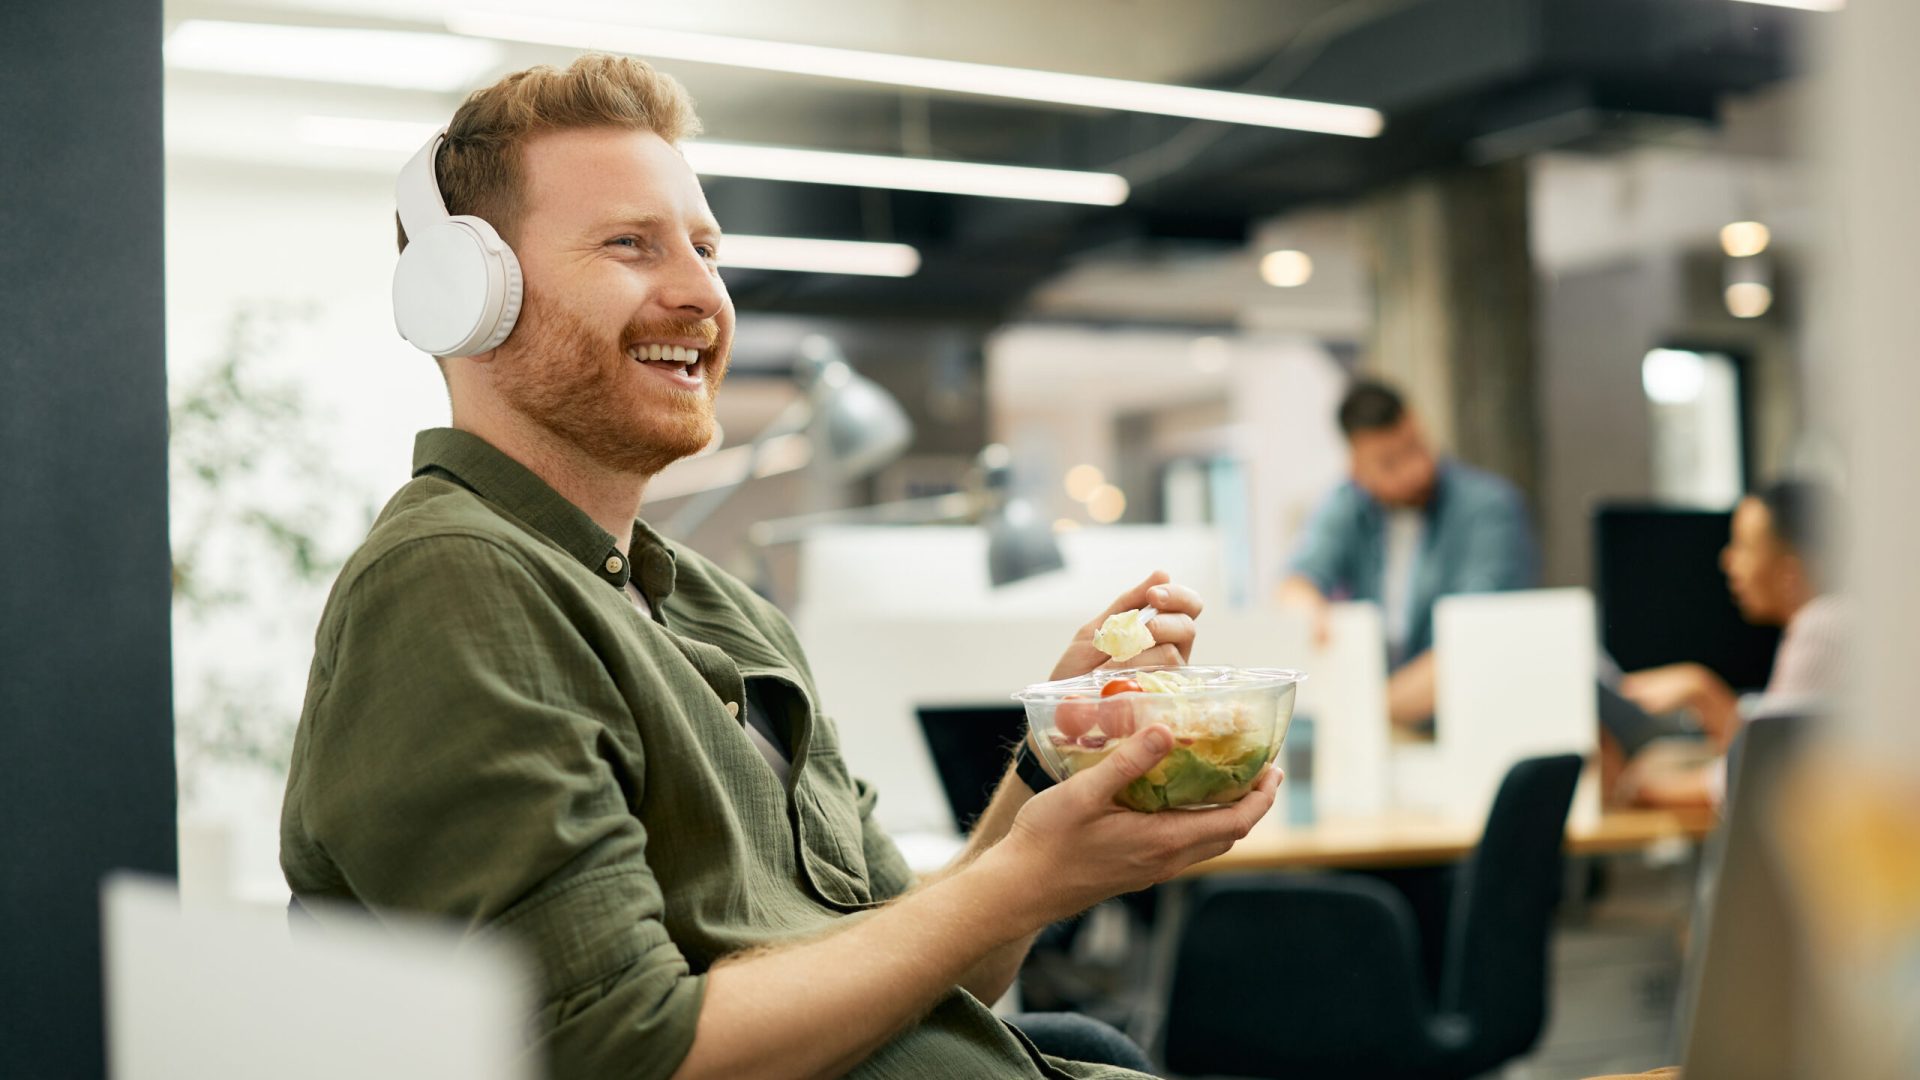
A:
(971, 747)
(1663, 598)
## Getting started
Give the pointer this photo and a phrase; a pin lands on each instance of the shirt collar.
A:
(478, 466)
(654, 560)
(1442, 480)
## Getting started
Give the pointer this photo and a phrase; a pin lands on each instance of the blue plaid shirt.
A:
(1477, 539)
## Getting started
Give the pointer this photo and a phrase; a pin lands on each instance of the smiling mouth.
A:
(674, 358)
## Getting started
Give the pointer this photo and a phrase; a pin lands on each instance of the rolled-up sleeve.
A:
(458, 765)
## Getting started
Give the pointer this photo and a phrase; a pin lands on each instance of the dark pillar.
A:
(1454, 286)
(86, 722)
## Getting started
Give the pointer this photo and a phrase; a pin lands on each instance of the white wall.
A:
(1058, 390)
(320, 245)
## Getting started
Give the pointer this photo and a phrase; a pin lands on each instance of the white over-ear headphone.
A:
(457, 289)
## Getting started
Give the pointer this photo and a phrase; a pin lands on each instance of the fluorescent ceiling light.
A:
(1286, 269)
(1748, 299)
(1803, 5)
(407, 61)
(947, 75)
(1744, 239)
(818, 256)
(786, 163)
(907, 174)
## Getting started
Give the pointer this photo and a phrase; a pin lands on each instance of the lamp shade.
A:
(859, 426)
(1020, 540)
(1020, 544)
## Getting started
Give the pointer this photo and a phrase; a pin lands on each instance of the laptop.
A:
(971, 746)
(227, 993)
(1737, 1010)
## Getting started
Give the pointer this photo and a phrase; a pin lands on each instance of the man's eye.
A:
(625, 241)
(707, 251)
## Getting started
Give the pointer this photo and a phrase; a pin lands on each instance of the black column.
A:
(86, 721)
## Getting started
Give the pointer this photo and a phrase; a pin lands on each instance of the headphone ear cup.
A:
(511, 286)
(457, 289)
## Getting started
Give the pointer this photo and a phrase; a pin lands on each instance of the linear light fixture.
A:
(742, 251)
(953, 76)
(1803, 5)
(907, 174)
(393, 58)
(818, 256)
(788, 163)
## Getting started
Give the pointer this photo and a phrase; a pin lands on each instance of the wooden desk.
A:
(1410, 840)
(1374, 843)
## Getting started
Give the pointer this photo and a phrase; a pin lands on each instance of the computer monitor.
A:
(218, 992)
(1514, 679)
(1663, 598)
(971, 746)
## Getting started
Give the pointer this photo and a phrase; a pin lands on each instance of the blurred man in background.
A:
(1405, 530)
(1772, 563)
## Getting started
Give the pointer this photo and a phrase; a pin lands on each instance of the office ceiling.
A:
(1460, 81)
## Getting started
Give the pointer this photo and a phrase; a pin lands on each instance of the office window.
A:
(1697, 432)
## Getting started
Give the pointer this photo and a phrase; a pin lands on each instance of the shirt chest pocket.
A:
(827, 823)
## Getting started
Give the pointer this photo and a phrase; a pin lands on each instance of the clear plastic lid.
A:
(1186, 679)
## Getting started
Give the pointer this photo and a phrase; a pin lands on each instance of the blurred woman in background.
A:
(1775, 567)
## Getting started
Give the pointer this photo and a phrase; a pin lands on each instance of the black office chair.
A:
(1306, 976)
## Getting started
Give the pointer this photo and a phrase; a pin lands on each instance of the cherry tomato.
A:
(1075, 716)
(1119, 686)
(1116, 716)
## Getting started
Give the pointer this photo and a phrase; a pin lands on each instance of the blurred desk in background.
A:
(1419, 840)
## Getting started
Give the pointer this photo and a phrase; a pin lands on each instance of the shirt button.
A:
(733, 709)
(614, 564)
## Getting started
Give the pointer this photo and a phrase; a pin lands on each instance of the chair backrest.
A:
(1741, 986)
(1294, 975)
(1496, 969)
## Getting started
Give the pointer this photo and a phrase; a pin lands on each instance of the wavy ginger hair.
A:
(478, 166)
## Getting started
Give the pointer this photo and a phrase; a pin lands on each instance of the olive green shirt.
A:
(493, 733)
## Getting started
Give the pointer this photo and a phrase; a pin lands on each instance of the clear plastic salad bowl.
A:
(1228, 724)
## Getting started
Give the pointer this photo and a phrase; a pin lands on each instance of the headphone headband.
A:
(457, 287)
(417, 192)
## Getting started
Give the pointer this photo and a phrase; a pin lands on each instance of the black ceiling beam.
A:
(1460, 80)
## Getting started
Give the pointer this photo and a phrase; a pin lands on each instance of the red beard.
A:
(582, 387)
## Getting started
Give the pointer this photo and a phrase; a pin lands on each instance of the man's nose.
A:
(692, 290)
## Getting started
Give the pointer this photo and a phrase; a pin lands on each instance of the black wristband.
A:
(1028, 768)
